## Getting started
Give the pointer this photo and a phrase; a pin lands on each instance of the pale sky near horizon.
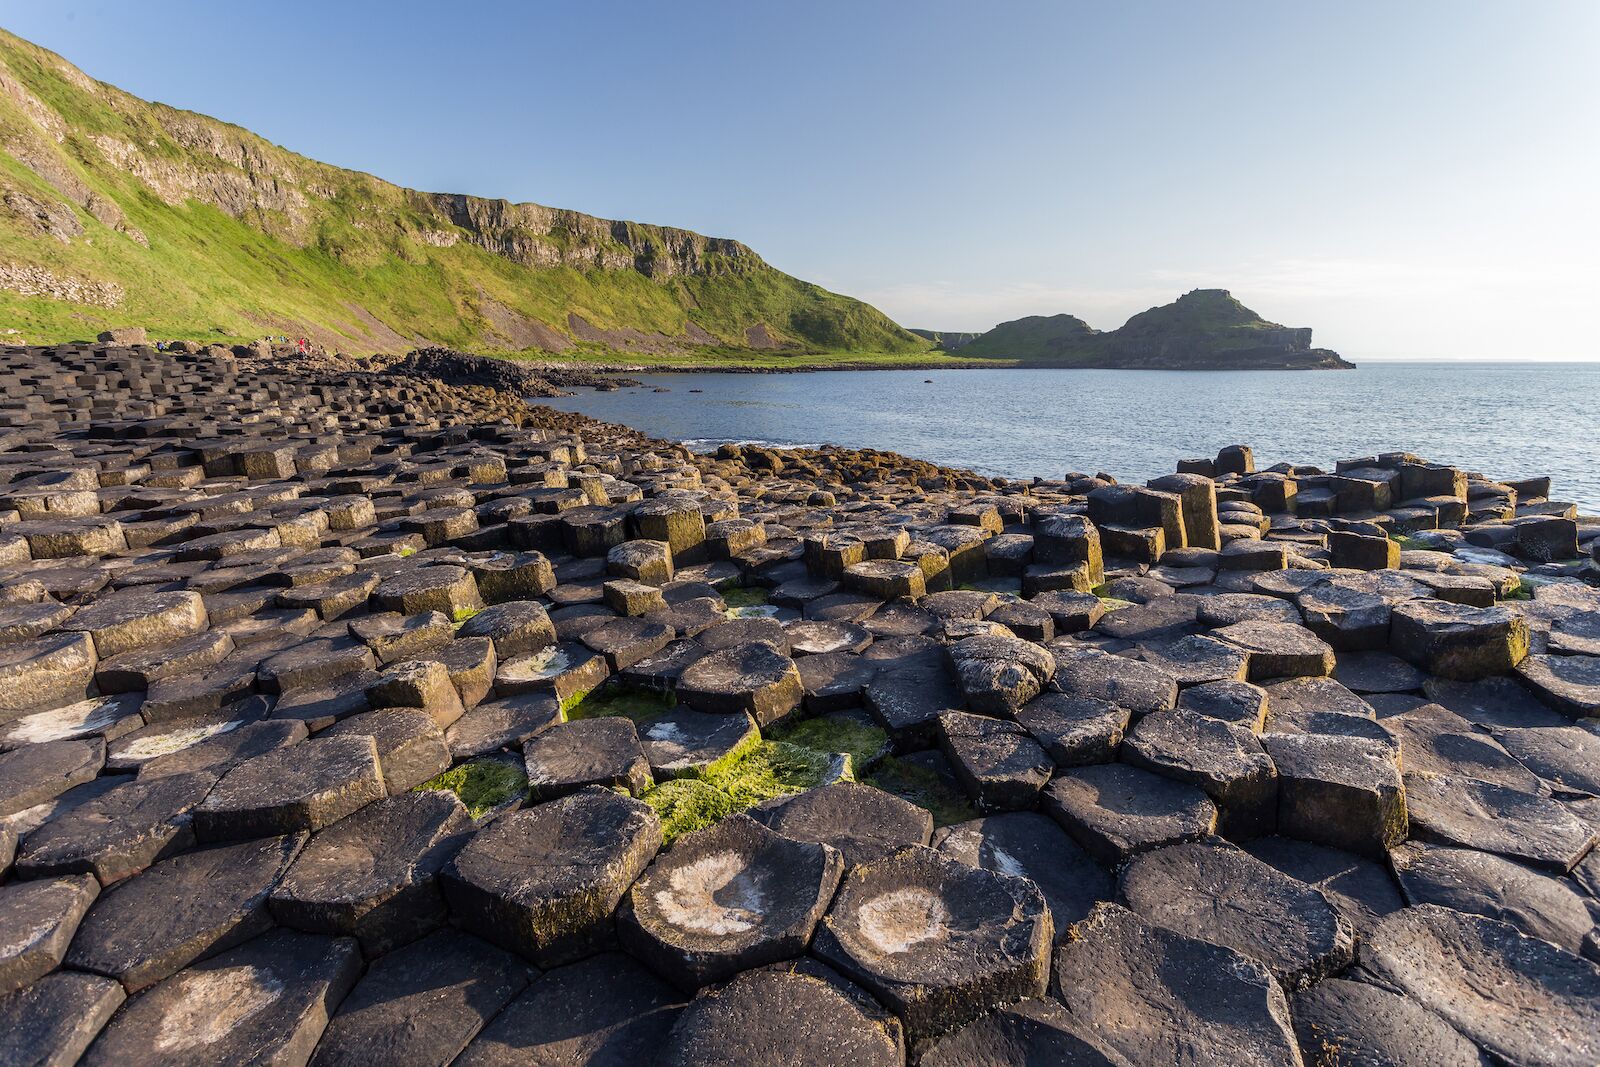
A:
(1412, 180)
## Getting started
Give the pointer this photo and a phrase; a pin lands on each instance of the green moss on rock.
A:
(481, 785)
(925, 789)
(687, 804)
(627, 701)
(865, 743)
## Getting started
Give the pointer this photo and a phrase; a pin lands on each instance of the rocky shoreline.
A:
(360, 711)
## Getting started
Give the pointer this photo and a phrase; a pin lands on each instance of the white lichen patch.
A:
(1006, 863)
(85, 718)
(212, 1004)
(754, 611)
(537, 666)
(148, 748)
(713, 895)
(899, 920)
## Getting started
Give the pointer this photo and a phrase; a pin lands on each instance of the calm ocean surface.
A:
(1506, 420)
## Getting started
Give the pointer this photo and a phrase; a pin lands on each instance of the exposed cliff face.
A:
(198, 228)
(1206, 329)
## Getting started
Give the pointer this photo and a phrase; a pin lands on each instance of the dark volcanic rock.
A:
(120, 833)
(1029, 1032)
(304, 787)
(1226, 896)
(52, 1022)
(1115, 811)
(865, 824)
(135, 935)
(38, 920)
(726, 899)
(1450, 810)
(1224, 760)
(421, 1004)
(570, 756)
(1001, 767)
(1361, 1025)
(1029, 845)
(1156, 996)
(783, 1018)
(547, 881)
(936, 941)
(605, 1011)
(264, 1002)
(373, 875)
(1523, 999)
(1075, 731)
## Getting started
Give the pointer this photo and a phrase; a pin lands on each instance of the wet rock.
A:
(373, 876)
(936, 941)
(1522, 999)
(264, 1002)
(601, 752)
(605, 1011)
(863, 823)
(1074, 731)
(1224, 895)
(34, 774)
(421, 1004)
(1483, 884)
(1224, 760)
(546, 881)
(119, 833)
(754, 678)
(782, 1017)
(726, 899)
(53, 1021)
(1157, 996)
(1029, 845)
(303, 787)
(1457, 641)
(37, 921)
(135, 935)
(1449, 810)
(1343, 1022)
(1116, 812)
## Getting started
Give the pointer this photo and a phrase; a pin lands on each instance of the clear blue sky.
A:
(1413, 178)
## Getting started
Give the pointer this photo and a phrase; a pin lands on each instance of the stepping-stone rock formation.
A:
(322, 682)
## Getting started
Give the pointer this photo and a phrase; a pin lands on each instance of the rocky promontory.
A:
(1206, 329)
(374, 715)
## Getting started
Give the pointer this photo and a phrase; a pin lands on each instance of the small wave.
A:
(711, 444)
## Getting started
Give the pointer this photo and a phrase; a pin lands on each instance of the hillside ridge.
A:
(117, 210)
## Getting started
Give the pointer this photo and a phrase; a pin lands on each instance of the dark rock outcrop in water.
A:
(359, 711)
(1206, 329)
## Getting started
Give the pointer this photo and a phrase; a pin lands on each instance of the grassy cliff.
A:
(115, 211)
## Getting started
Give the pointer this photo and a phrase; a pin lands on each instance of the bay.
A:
(1506, 420)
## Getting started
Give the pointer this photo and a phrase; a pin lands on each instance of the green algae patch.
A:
(481, 785)
(925, 789)
(770, 769)
(626, 701)
(865, 743)
(1111, 603)
(741, 596)
(461, 615)
(777, 768)
(686, 805)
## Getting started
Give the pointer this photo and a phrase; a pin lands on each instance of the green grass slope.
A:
(1037, 337)
(119, 212)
